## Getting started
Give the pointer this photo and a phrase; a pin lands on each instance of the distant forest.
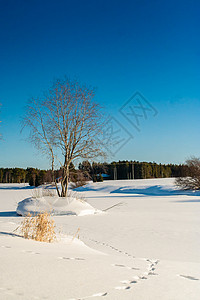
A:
(92, 171)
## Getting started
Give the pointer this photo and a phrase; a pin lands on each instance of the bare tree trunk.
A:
(65, 181)
(53, 173)
(57, 189)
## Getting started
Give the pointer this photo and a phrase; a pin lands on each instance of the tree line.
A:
(32, 176)
(94, 171)
(134, 170)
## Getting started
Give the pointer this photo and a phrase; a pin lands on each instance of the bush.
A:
(39, 228)
(192, 181)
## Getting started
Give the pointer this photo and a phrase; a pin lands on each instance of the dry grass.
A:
(43, 192)
(39, 228)
(77, 196)
(76, 234)
(49, 192)
(36, 193)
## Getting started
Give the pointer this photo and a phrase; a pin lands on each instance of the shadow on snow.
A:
(14, 188)
(9, 233)
(8, 214)
(155, 190)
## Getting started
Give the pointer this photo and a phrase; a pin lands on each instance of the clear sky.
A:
(120, 47)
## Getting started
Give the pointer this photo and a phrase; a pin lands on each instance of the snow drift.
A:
(55, 206)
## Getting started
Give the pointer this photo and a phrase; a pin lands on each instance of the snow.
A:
(146, 245)
(55, 206)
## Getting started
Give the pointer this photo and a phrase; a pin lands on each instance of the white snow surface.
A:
(145, 246)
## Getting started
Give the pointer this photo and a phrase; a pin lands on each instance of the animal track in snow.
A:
(7, 291)
(71, 258)
(8, 247)
(152, 261)
(116, 265)
(128, 281)
(94, 295)
(188, 277)
(99, 295)
(125, 281)
(151, 267)
(10, 292)
(133, 281)
(122, 287)
(123, 266)
(112, 247)
(152, 273)
(30, 252)
(19, 294)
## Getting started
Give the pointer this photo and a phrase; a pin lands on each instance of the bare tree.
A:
(192, 180)
(65, 124)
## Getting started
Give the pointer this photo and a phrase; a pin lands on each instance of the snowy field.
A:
(144, 246)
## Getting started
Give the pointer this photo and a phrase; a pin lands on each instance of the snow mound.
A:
(55, 206)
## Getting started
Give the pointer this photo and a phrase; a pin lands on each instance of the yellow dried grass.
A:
(39, 228)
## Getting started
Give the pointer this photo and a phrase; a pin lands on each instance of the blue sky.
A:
(120, 47)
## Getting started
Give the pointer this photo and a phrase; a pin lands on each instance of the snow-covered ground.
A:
(144, 246)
